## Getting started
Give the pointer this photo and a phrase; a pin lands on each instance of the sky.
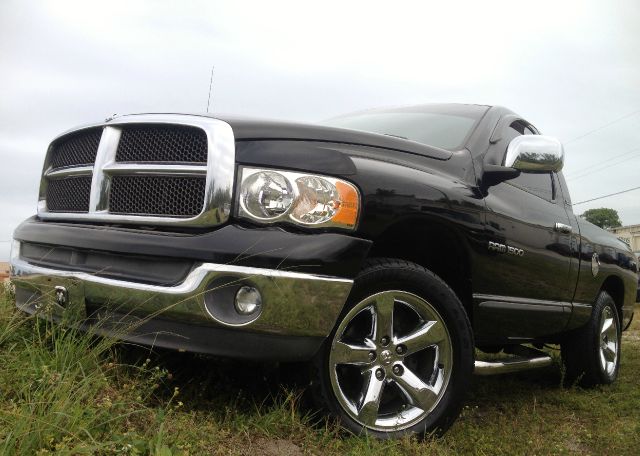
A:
(572, 68)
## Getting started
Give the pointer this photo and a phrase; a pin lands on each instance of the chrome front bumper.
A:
(293, 304)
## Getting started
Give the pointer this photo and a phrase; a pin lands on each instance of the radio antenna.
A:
(210, 85)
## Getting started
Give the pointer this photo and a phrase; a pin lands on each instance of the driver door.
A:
(524, 288)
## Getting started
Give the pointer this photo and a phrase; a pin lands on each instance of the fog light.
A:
(248, 300)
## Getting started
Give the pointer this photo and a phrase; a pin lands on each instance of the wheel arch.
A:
(433, 244)
(615, 287)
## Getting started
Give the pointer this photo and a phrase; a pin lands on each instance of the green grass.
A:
(64, 392)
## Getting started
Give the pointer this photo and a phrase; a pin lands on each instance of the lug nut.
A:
(384, 341)
(379, 374)
(397, 369)
(401, 349)
(372, 355)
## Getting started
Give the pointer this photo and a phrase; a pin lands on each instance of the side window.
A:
(539, 184)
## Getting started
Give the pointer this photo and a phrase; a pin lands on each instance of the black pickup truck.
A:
(384, 247)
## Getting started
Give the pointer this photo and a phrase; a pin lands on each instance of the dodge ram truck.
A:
(386, 248)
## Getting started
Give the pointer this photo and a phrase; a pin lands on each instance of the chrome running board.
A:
(524, 358)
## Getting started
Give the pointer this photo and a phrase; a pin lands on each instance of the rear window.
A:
(434, 126)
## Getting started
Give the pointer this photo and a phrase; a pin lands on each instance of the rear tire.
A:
(400, 358)
(591, 354)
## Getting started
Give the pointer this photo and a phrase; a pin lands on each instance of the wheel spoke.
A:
(603, 360)
(428, 334)
(612, 332)
(417, 391)
(384, 316)
(344, 353)
(608, 323)
(368, 411)
(609, 351)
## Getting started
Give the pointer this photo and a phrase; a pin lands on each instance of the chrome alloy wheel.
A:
(608, 341)
(390, 361)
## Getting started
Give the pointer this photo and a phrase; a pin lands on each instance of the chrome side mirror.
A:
(535, 153)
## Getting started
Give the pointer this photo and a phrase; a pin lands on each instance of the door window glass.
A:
(539, 184)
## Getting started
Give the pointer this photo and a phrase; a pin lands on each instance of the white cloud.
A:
(569, 67)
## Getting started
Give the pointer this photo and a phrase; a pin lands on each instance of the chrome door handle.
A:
(562, 228)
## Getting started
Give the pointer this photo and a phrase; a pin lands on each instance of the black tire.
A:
(452, 359)
(585, 359)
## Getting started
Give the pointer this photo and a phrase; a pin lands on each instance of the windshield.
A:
(443, 126)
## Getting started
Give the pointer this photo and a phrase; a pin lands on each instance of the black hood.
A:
(247, 129)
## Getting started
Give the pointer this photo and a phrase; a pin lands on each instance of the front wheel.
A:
(401, 355)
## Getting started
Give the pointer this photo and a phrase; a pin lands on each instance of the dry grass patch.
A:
(64, 392)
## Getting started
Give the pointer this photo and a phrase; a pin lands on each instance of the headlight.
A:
(266, 195)
(270, 196)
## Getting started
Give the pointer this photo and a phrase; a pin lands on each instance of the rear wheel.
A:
(591, 354)
(401, 355)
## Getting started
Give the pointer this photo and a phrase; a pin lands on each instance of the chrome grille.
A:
(69, 194)
(162, 144)
(147, 169)
(76, 149)
(180, 196)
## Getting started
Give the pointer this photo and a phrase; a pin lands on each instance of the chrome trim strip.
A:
(293, 303)
(219, 171)
(68, 172)
(106, 217)
(151, 169)
(123, 118)
(510, 365)
(482, 298)
(190, 284)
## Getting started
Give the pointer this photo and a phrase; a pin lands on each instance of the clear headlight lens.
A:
(304, 199)
(266, 195)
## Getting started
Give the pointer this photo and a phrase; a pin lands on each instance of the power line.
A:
(580, 171)
(603, 126)
(607, 196)
(580, 176)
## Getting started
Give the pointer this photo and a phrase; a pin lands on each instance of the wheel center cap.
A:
(385, 357)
